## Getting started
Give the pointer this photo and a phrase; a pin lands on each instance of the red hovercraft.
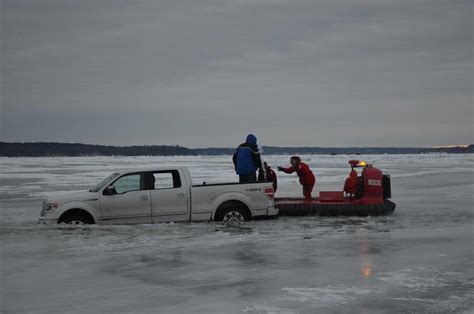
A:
(365, 195)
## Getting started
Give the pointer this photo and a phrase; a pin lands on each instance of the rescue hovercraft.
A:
(365, 195)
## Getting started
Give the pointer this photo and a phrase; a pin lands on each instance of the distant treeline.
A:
(41, 149)
(76, 149)
(271, 150)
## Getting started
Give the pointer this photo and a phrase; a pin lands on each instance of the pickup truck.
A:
(160, 195)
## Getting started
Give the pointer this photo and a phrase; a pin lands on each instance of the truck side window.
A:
(167, 180)
(128, 183)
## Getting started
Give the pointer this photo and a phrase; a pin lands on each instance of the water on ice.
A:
(420, 259)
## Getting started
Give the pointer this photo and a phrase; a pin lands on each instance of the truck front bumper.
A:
(46, 221)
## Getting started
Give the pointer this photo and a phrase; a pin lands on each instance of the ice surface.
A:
(420, 259)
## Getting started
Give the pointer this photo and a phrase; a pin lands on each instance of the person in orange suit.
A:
(306, 176)
(350, 186)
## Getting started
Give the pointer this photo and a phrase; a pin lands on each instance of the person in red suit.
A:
(350, 186)
(306, 176)
(268, 175)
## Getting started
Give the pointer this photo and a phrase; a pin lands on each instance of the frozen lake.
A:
(420, 259)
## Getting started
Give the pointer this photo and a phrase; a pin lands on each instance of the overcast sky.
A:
(204, 73)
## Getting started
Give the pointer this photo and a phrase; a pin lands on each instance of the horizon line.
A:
(222, 147)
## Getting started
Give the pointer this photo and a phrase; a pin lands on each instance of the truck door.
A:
(129, 201)
(169, 198)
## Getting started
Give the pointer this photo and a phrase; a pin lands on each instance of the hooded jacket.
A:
(247, 157)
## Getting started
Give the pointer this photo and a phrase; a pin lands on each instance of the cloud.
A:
(205, 72)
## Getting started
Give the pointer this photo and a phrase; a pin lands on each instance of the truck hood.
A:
(83, 196)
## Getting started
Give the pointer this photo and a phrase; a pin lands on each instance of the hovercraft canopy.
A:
(373, 183)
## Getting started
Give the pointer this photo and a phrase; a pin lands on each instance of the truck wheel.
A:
(75, 221)
(232, 214)
(76, 218)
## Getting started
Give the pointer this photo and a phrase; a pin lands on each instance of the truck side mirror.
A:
(110, 190)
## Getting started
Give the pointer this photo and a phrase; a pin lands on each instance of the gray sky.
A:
(207, 72)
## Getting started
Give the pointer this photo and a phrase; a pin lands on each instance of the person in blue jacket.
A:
(247, 160)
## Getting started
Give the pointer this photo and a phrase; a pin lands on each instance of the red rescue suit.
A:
(350, 185)
(271, 176)
(306, 176)
(268, 175)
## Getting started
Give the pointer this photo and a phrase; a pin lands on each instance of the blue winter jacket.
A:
(247, 157)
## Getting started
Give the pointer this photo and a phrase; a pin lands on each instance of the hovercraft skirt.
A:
(321, 209)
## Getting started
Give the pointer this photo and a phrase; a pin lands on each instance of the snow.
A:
(420, 259)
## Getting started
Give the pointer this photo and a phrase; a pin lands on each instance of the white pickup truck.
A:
(160, 195)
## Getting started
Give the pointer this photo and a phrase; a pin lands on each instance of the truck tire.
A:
(232, 213)
(76, 217)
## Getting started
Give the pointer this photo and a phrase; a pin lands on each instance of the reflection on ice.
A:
(367, 271)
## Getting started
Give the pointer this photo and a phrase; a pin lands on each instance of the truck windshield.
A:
(104, 182)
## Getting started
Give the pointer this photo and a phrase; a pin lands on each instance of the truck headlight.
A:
(49, 207)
